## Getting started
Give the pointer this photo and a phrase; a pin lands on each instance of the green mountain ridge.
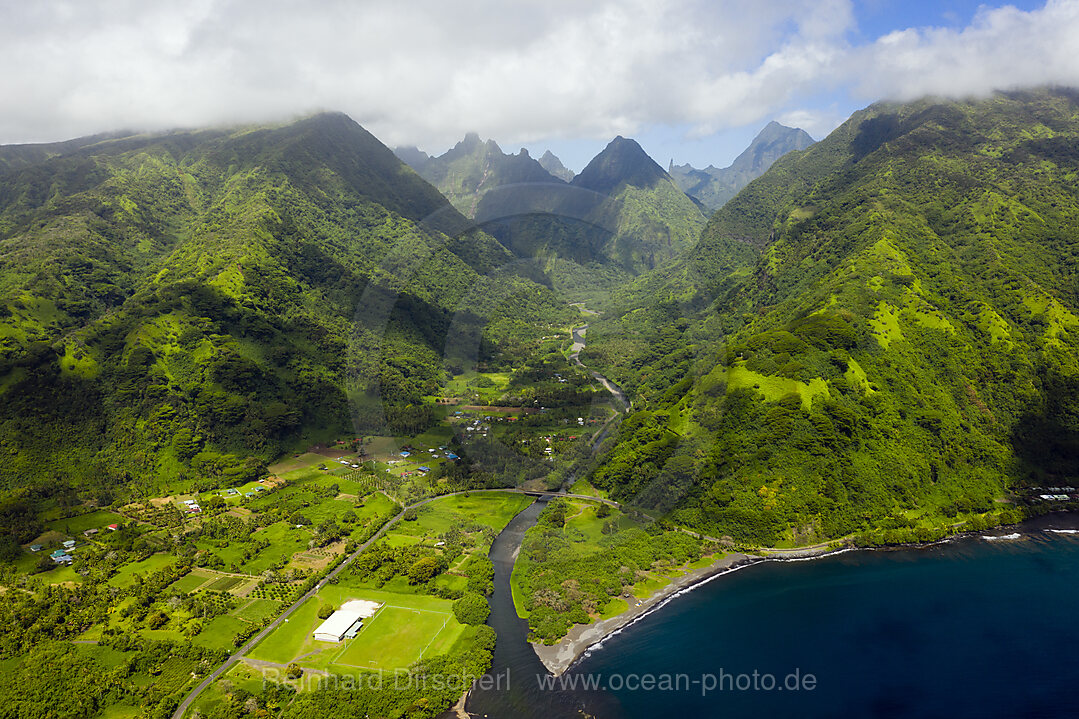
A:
(174, 307)
(621, 216)
(879, 334)
(472, 167)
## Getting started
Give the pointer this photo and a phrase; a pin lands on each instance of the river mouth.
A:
(517, 689)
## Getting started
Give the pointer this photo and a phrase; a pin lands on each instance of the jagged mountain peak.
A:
(622, 162)
(713, 187)
(550, 162)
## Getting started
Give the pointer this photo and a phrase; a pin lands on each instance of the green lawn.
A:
(231, 553)
(775, 387)
(190, 582)
(494, 509)
(61, 575)
(285, 540)
(451, 581)
(305, 461)
(329, 509)
(616, 606)
(439, 435)
(582, 486)
(224, 584)
(258, 609)
(94, 520)
(126, 576)
(219, 632)
(646, 587)
(286, 642)
(395, 638)
(400, 539)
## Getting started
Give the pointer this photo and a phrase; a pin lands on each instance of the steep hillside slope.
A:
(173, 304)
(882, 332)
(655, 220)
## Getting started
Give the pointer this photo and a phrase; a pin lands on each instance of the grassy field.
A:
(395, 638)
(478, 387)
(287, 641)
(413, 624)
(774, 387)
(616, 606)
(285, 540)
(191, 581)
(77, 525)
(126, 576)
(258, 609)
(304, 461)
(224, 584)
(582, 486)
(494, 509)
(219, 632)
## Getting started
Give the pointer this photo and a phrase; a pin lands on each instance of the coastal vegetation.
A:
(584, 561)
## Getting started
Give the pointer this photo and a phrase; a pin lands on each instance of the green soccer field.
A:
(407, 628)
(394, 638)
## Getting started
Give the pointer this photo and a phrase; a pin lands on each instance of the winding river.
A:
(515, 667)
(578, 335)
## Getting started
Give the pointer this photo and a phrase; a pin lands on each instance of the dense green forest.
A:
(193, 304)
(880, 332)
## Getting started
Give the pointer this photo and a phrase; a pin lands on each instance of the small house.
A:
(69, 544)
(113, 527)
(36, 547)
(90, 532)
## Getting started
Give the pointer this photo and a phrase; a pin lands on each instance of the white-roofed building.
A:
(346, 621)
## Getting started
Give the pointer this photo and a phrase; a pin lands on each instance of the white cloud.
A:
(425, 72)
(1001, 49)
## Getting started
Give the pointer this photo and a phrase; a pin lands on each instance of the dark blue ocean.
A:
(971, 628)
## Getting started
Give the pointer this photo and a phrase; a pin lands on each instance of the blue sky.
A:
(691, 80)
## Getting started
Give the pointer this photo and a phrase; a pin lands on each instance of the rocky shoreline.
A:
(581, 637)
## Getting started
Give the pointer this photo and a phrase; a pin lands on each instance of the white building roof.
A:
(338, 623)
